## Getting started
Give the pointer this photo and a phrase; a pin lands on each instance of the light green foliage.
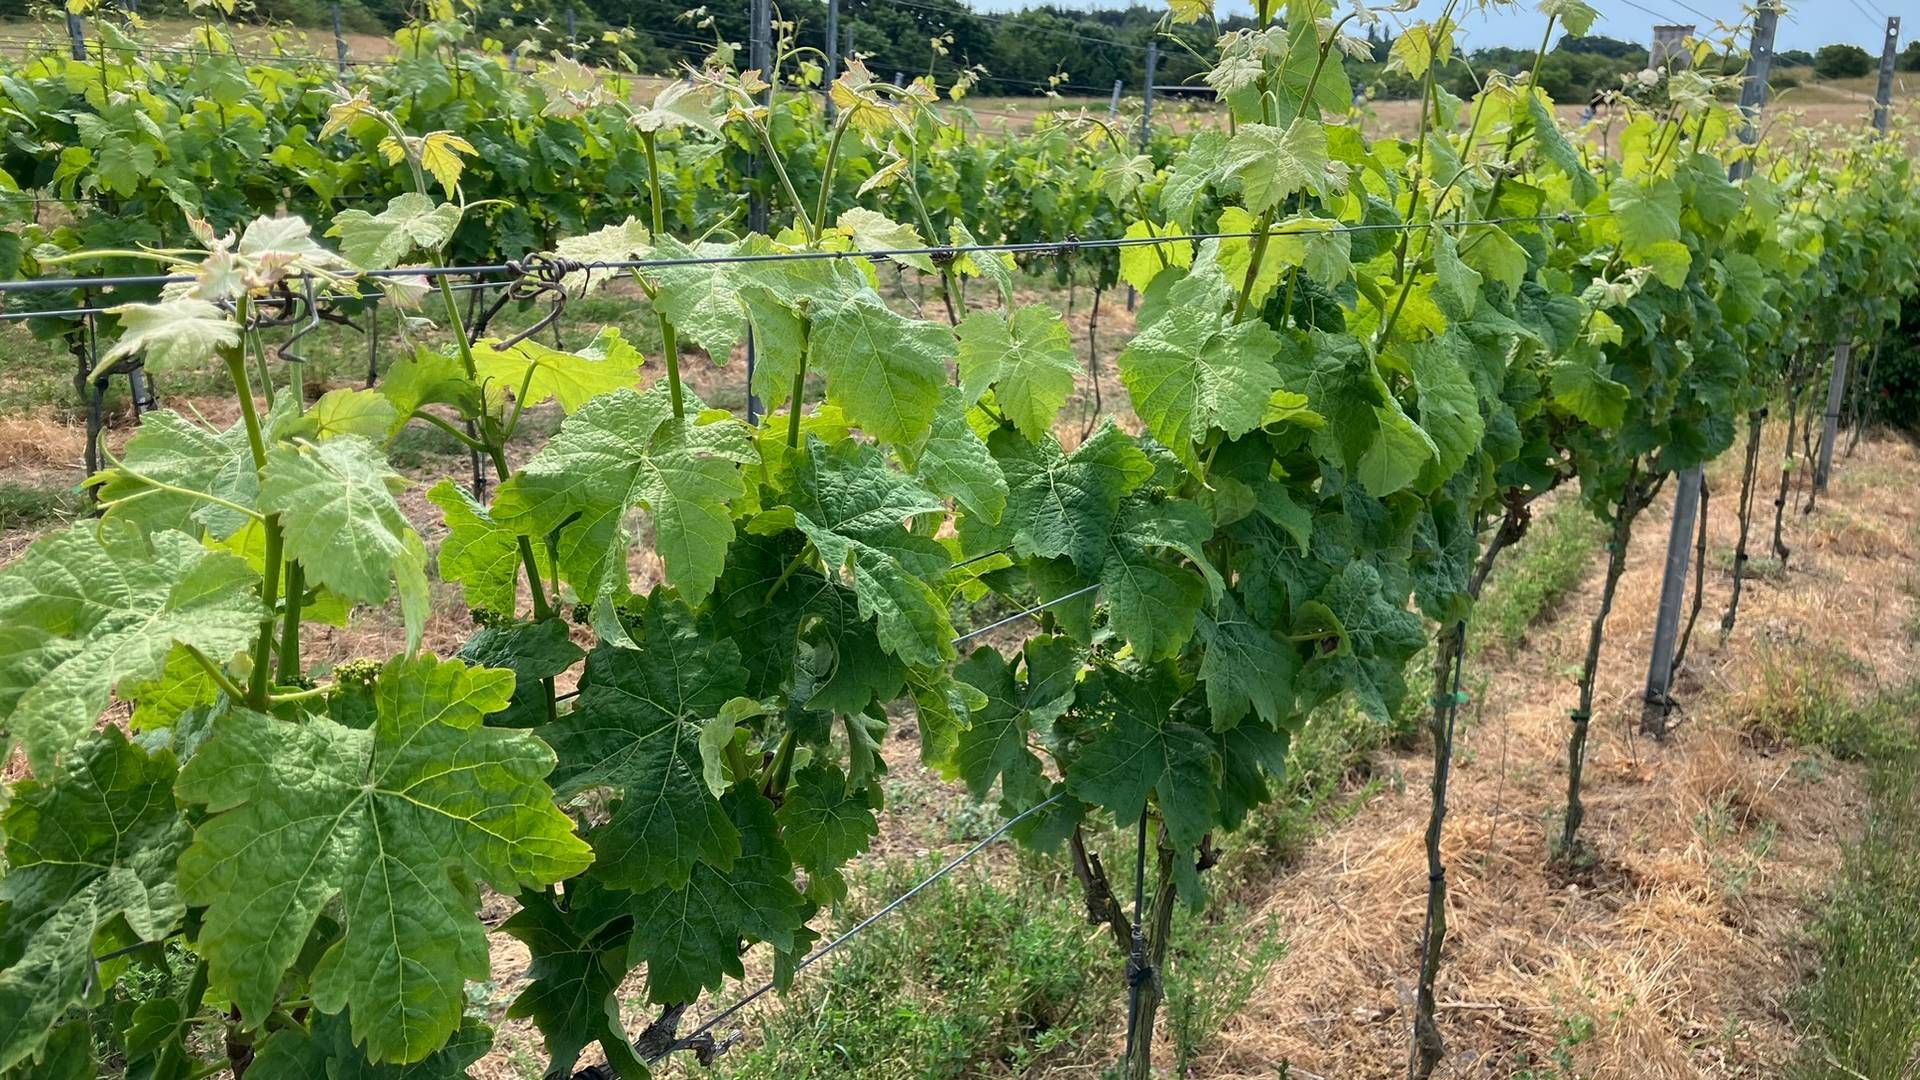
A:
(98, 604)
(1026, 358)
(394, 820)
(627, 450)
(410, 223)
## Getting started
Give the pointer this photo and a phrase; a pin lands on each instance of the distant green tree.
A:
(1793, 58)
(1841, 62)
(1909, 59)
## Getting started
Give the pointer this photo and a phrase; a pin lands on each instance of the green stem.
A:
(799, 388)
(1265, 229)
(303, 695)
(826, 176)
(452, 432)
(669, 340)
(799, 557)
(780, 769)
(289, 669)
(220, 678)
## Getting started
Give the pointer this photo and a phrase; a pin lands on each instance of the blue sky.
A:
(1808, 24)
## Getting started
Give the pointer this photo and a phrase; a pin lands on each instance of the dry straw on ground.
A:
(1677, 956)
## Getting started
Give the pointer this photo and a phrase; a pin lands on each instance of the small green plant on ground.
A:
(1548, 564)
(983, 972)
(1802, 698)
(1862, 1013)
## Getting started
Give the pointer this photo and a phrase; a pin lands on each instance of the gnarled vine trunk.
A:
(1631, 502)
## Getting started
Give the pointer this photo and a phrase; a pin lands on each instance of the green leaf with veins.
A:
(1152, 600)
(870, 230)
(579, 962)
(428, 378)
(327, 1052)
(480, 553)
(533, 652)
(1270, 164)
(1378, 636)
(97, 604)
(690, 938)
(396, 823)
(621, 451)
(608, 363)
(366, 413)
(411, 223)
(170, 449)
(955, 463)
(1195, 370)
(1026, 358)
(89, 844)
(1137, 747)
(1060, 504)
(855, 510)
(338, 515)
(993, 744)
(636, 729)
(1246, 669)
(825, 822)
(883, 369)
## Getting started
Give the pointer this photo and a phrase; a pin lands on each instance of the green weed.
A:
(1862, 1014)
(25, 506)
(1529, 581)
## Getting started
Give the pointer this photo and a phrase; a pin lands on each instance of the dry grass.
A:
(1677, 955)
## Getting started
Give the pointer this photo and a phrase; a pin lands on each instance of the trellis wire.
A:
(1062, 247)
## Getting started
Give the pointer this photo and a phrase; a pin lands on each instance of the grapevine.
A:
(1358, 365)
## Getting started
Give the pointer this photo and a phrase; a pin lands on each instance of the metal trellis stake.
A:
(1836, 396)
(1113, 107)
(761, 57)
(1686, 497)
(1883, 96)
(1146, 102)
(339, 43)
(77, 34)
(833, 56)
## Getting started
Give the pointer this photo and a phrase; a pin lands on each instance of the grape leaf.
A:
(884, 370)
(326, 1052)
(993, 744)
(1060, 504)
(1378, 636)
(636, 729)
(1195, 369)
(97, 604)
(428, 378)
(1152, 600)
(1246, 669)
(172, 450)
(690, 937)
(480, 553)
(955, 462)
(394, 821)
(533, 652)
(92, 843)
(411, 222)
(578, 964)
(855, 509)
(172, 334)
(624, 450)
(870, 230)
(366, 413)
(338, 515)
(1138, 748)
(608, 363)
(826, 821)
(1026, 358)
(1270, 164)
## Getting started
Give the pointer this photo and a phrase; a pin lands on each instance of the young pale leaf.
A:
(623, 450)
(607, 364)
(1026, 358)
(395, 821)
(636, 730)
(870, 230)
(1271, 163)
(411, 223)
(172, 334)
(89, 844)
(428, 378)
(97, 604)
